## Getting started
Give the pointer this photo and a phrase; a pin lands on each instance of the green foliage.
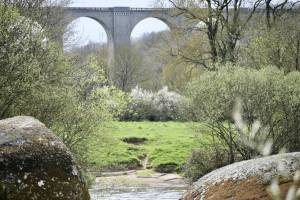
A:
(278, 46)
(50, 19)
(30, 64)
(37, 79)
(205, 160)
(88, 105)
(267, 95)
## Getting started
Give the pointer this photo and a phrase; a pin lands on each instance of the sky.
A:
(112, 3)
(87, 30)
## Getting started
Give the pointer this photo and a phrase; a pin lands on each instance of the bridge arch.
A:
(139, 26)
(108, 32)
(87, 21)
(106, 28)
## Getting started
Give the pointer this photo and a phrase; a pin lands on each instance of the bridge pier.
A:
(122, 26)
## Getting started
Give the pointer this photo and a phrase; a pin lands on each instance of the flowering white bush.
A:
(148, 105)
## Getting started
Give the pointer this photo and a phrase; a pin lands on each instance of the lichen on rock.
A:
(35, 164)
(247, 179)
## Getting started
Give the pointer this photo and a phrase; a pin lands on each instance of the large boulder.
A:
(247, 180)
(35, 164)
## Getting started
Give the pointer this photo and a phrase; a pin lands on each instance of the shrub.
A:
(268, 95)
(87, 108)
(168, 167)
(154, 106)
(205, 160)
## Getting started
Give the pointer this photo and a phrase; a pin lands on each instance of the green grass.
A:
(167, 147)
(145, 173)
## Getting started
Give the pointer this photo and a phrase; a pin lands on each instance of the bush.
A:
(168, 167)
(154, 106)
(87, 108)
(268, 95)
(205, 160)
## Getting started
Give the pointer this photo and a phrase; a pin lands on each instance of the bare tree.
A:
(223, 22)
(276, 8)
(127, 71)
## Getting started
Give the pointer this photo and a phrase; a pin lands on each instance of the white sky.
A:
(89, 30)
(112, 3)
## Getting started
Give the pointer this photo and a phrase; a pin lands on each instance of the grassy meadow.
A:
(162, 146)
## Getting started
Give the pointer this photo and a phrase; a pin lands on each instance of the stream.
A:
(131, 187)
(138, 194)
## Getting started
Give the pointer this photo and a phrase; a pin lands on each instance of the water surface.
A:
(133, 188)
(138, 194)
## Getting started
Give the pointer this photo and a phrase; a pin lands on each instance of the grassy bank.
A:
(163, 146)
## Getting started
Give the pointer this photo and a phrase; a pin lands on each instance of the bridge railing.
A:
(118, 9)
(88, 8)
(150, 9)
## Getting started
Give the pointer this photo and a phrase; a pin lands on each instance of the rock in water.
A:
(247, 180)
(35, 164)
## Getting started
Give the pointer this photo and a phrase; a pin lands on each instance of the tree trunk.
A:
(297, 64)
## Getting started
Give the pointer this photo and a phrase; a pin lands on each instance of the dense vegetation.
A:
(198, 73)
(37, 79)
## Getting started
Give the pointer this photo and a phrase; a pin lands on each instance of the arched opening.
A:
(85, 31)
(147, 43)
(148, 26)
(86, 35)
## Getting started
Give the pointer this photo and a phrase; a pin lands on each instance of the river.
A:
(131, 187)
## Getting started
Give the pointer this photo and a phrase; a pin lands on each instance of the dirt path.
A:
(146, 162)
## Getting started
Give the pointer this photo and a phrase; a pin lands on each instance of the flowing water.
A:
(138, 194)
(128, 188)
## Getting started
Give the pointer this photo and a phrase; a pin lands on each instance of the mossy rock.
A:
(35, 164)
(248, 179)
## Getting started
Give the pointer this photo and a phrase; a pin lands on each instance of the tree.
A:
(47, 13)
(37, 79)
(27, 60)
(275, 9)
(87, 107)
(127, 71)
(278, 45)
(176, 75)
(152, 49)
(223, 23)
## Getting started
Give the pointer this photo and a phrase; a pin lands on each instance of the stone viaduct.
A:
(118, 22)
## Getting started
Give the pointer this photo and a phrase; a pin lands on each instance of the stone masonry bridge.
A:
(118, 22)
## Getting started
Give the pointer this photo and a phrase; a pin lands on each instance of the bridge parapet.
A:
(88, 8)
(119, 9)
